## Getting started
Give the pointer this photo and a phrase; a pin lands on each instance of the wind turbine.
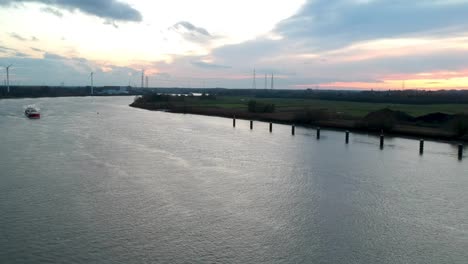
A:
(92, 87)
(8, 77)
(254, 84)
(272, 86)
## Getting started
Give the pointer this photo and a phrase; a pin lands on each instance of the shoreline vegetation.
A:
(440, 121)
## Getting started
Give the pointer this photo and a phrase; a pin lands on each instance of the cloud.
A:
(357, 40)
(111, 22)
(190, 27)
(53, 69)
(443, 60)
(190, 32)
(36, 49)
(107, 9)
(52, 11)
(6, 49)
(18, 37)
(380, 68)
(208, 65)
(250, 52)
(330, 24)
(36, 71)
(327, 41)
(21, 54)
(52, 56)
(21, 38)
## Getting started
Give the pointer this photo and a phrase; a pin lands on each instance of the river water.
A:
(95, 181)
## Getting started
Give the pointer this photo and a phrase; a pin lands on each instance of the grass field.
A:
(355, 109)
(337, 114)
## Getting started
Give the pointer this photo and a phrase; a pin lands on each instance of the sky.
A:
(316, 44)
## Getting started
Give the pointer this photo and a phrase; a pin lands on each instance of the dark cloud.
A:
(52, 56)
(108, 9)
(316, 80)
(6, 49)
(50, 69)
(329, 24)
(111, 22)
(21, 38)
(36, 49)
(453, 60)
(54, 69)
(207, 65)
(190, 32)
(21, 54)
(322, 26)
(52, 11)
(374, 69)
(250, 51)
(190, 27)
(18, 37)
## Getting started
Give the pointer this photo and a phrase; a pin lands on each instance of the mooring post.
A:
(421, 146)
(318, 132)
(347, 137)
(381, 141)
(293, 130)
(271, 127)
(234, 121)
(460, 151)
(251, 124)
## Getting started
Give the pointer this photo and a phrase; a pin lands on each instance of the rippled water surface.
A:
(95, 181)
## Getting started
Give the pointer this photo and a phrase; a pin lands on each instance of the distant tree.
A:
(384, 119)
(260, 107)
(461, 125)
(252, 106)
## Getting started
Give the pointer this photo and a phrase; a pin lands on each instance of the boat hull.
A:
(34, 116)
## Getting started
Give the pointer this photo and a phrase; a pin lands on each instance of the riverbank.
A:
(436, 126)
